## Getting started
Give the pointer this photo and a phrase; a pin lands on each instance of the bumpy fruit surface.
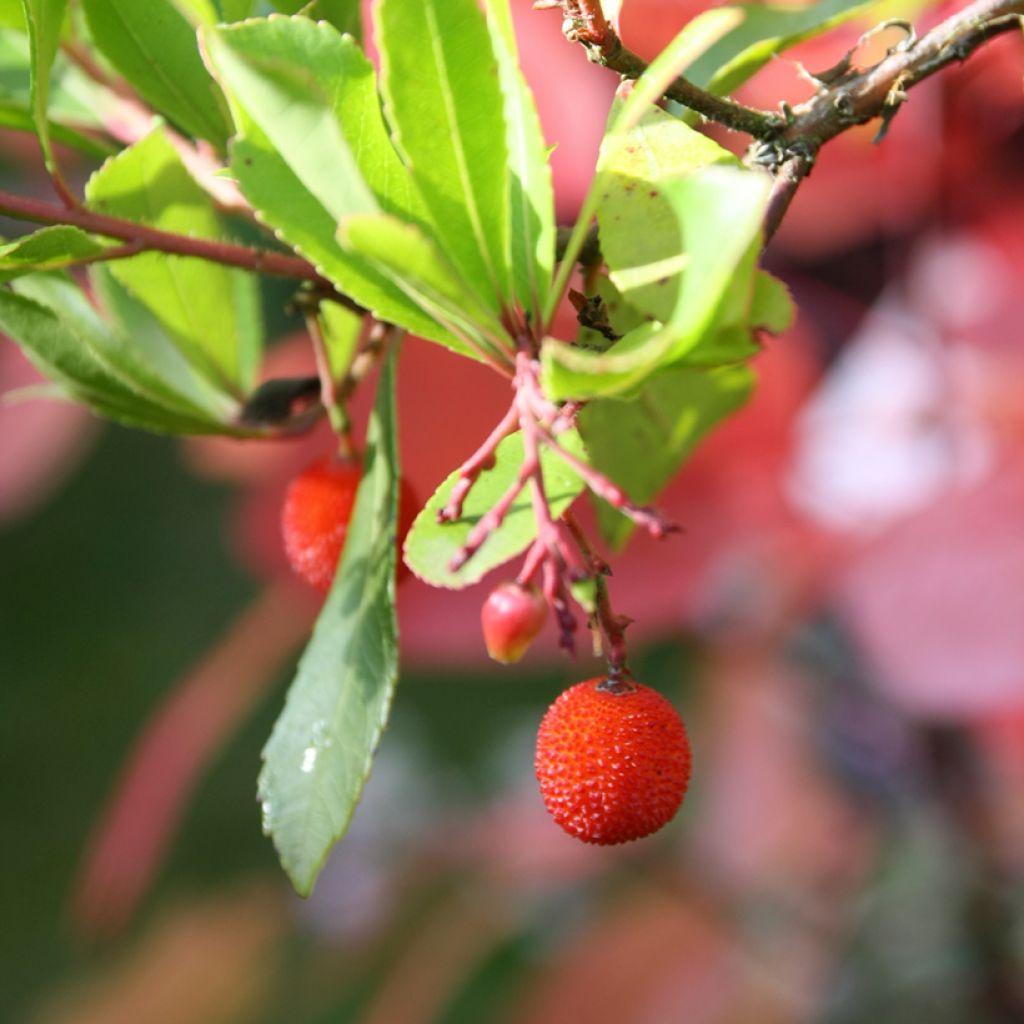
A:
(613, 761)
(511, 617)
(314, 520)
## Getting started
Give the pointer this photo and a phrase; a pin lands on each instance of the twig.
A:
(604, 488)
(261, 261)
(876, 92)
(586, 24)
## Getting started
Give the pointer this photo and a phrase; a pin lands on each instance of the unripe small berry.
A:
(315, 516)
(511, 617)
(613, 761)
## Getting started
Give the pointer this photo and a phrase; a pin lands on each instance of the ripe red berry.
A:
(613, 761)
(511, 617)
(315, 516)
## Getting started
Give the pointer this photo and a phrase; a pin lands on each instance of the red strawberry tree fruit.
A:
(416, 196)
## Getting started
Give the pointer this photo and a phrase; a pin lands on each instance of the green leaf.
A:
(414, 264)
(318, 757)
(205, 307)
(641, 239)
(531, 194)
(73, 100)
(59, 331)
(344, 15)
(12, 116)
(430, 546)
(443, 98)
(153, 44)
(44, 18)
(641, 95)
(48, 249)
(763, 31)
(719, 211)
(292, 160)
(12, 15)
(642, 443)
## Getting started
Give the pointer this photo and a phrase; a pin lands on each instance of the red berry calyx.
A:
(613, 761)
(512, 615)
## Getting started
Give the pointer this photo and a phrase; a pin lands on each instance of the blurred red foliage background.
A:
(841, 622)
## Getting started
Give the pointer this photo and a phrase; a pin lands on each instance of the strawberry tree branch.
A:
(877, 92)
(788, 143)
(586, 24)
(143, 238)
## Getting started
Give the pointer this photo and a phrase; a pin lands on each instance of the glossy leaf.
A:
(143, 333)
(44, 19)
(640, 96)
(719, 212)
(291, 158)
(416, 266)
(153, 45)
(430, 545)
(641, 239)
(48, 249)
(59, 331)
(319, 754)
(531, 194)
(444, 101)
(641, 444)
(207, 308)
(73, 100)
(763, 31)
(19, 119)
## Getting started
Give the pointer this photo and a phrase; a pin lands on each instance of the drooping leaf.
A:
(443, 97)
(59, 331)
(414, 264)
(640, 96)
(73, 100)
(531, 194)
(318, 757)
(145, 335)
(719, 211)
(641, 444)
(207, 308)
(296, 88)
(153, 44)
(763, 31)
(20, 120)
(429, 545)
(641, 239)
(44, 19)
(48, 249)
